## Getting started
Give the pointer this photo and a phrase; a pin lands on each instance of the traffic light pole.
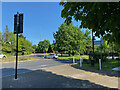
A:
(17, 45)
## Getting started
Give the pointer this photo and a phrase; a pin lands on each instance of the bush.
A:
(114, 54)
(98, 56)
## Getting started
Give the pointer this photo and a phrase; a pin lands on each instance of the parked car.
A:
(51, 56)
(2, 56)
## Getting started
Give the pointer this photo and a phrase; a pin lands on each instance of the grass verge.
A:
(3, 60)
(106, 66)
(76, 57)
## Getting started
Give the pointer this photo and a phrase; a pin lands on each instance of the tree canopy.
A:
(43, 46)
(9, 43)
(102, 18)
(70, 39)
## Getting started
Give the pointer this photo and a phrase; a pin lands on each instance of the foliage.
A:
(88, 42)
(43, 46)
(102, 18)
(98, 56)
(34, 48)
(70, 39)
(50, 49)
(9, 43)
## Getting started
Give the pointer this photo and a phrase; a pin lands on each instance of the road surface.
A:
(27, 66)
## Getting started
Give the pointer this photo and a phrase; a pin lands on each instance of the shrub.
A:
(98, 56)
(114, 54)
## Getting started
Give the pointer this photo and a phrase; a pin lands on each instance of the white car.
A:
(2, 56)
(51, 56)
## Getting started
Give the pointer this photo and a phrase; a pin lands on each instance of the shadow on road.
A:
(44, 79)
(39, 55)
(11, 71)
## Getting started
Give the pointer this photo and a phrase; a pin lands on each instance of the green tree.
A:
(50, 49)
(9, 43)
(69, 39)
(34, 47)
(88, 42)
(43, 46)
(102, 18)
(5, 37)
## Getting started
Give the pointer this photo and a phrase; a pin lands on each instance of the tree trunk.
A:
(69, 53)
(73, 53)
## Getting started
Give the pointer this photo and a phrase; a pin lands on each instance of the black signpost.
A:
(18, 28)
(93, 61)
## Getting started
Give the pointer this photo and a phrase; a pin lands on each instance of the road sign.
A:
(15, 24)
(18, 23)
(21, 23)
(98, 42)
(18, 28)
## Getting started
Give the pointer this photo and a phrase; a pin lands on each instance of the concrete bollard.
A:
(81, 60)
(73, 60)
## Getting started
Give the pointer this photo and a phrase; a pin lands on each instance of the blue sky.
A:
(41, 19)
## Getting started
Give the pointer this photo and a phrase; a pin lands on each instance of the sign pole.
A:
(17, 45)
(16, 56)
(18, 28)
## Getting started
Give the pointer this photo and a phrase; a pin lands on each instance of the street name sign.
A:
(98, 42)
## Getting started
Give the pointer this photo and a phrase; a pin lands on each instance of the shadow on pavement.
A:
(108, 73)
(66, 61)
(44, 79)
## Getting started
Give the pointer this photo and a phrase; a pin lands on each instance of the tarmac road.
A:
(27, 66)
